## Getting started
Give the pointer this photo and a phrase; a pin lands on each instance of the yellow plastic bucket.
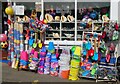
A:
(78, 51)
(73, 77)
(74, 71)
(75, 63)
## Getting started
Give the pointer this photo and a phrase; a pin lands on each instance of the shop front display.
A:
(71, 40)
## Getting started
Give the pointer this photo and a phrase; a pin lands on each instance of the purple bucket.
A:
(41, 63)
(41, 69)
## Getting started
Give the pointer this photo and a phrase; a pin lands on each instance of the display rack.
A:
(108, 71)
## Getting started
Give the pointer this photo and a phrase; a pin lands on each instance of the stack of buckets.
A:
(53, 60)
(42, 60)
(64, 63)
(34, 61)
(24, 60)
(75, 63)
(47, 63)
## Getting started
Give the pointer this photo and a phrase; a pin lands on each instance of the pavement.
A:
(13, 75)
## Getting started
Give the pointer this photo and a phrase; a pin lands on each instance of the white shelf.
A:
(67, 30)
(65, 42)
(68, 37)
(52, 37)
(23, 22)
(53, 22)
(54, 30)
(67, 22)
(106, 66)
(87, 77)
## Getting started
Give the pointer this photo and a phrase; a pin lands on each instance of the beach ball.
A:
(9, 11)
(3, 37)
(4, 44)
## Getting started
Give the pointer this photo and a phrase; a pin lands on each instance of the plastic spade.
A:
(91, 51)
(95, 57)
(31, 41)
(40, 44)
(116, 26)
(35, 42)
(88, 45)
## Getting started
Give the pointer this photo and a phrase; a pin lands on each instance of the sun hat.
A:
(70, 18)
(57, 18)
(63, 18)
(49, 17)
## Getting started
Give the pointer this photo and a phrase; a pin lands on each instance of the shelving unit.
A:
(71, 8)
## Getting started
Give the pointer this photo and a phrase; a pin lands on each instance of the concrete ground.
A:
(12, 75)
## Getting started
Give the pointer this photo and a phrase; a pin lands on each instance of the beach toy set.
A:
(75, 63)
(64, 63)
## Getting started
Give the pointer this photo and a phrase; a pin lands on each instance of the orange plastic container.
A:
(65, 74)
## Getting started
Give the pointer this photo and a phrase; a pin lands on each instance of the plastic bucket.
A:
(75, 63)
(65, 74)
(74, 71)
